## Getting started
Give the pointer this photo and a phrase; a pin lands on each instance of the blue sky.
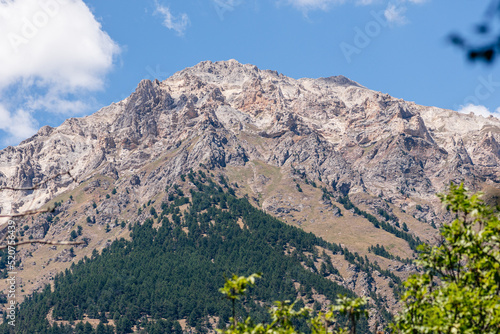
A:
(68, 58)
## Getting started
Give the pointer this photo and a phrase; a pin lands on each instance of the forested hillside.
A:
(171, 270)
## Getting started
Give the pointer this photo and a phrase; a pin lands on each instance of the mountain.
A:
(226, 114)
(358, 168)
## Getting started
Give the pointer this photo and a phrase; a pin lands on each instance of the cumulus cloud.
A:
(49, 49)
(178, 24)
(479, 110)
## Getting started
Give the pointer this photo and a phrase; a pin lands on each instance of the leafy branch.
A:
(283, 314)
(459, 291)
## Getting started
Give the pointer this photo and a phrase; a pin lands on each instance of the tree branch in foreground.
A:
(45, 242)
(28, 213)
(38, 185)
(34, 212)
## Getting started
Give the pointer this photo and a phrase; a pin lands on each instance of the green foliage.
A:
(284, 314)
(236, 286)
(380, 251)
(459, 290)
(352, 307)
(387, 216)
(152, 211)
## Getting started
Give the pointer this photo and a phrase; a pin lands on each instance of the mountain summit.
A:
(229, 114)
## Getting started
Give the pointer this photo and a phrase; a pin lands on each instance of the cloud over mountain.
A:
(48, 50)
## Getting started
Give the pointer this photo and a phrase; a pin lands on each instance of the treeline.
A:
(381, 251)
(412, 241)
(174, 271)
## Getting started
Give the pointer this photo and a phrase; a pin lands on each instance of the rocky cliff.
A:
(282, 142)
(227, 114)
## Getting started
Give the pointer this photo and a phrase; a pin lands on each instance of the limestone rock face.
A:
(227, 113)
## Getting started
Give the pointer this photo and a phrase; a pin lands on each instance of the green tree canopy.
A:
(459, 289)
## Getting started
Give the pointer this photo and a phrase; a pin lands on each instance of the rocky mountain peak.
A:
(227, 113)
(341, 81)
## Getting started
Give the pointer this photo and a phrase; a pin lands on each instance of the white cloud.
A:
(479, 110)
(53, 41)
(19, 125)
(50, 49)
(395, 14)
(178, 24)
(53, 101)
